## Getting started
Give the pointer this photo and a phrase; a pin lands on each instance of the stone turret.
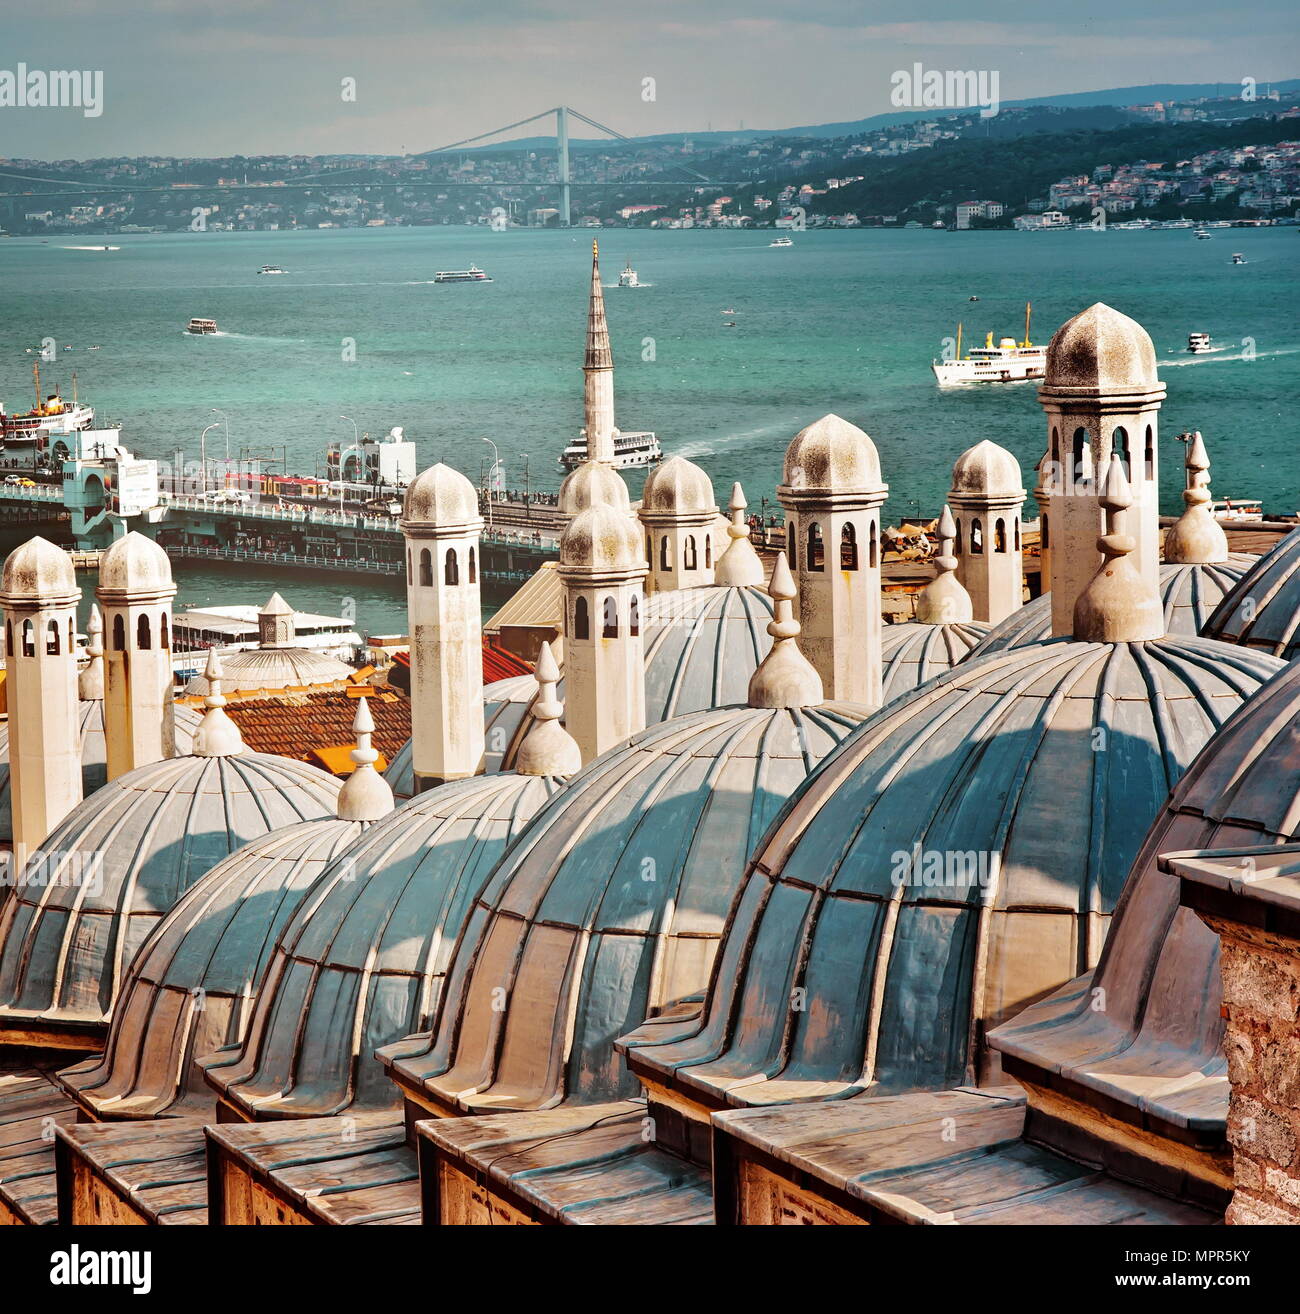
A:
(275, 624)
(987, 498)
(679, 515)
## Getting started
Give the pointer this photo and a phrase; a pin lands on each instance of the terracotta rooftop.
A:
(307, 725)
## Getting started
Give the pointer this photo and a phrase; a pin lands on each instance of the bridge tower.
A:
(562, 152)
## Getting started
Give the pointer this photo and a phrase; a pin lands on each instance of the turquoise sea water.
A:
(841, 321)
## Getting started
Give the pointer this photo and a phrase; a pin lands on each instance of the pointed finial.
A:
(1196, 537)
(90, 683)
(366, 795)
(944, 600)
(595, 249)
(739, 565)
(217, 735)
(785, 677)
(547, 749)
(1118, 605)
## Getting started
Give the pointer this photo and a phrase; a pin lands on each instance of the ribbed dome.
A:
(601, 538)
(987, 470)
(593, 483)
(1101, 350)
(956, 859)
(1189, 594)
(832, 455)
(273, 668)
(1263, 611)
(678, 487)
(135, 564)
(915, 652)
(189, 990)
(140, 843)
(38, 569)
(442, 497)
(362, 960)
(611, 905)
(94, 753)
(1158, 1045)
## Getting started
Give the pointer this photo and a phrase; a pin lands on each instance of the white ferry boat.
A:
(1237, 508)
(1201, 235)
(1007, 362)
(1198, 342)
(201, 326)
(628, 277)
(781, 241)
(471, 275)
(270, 269)
(630, 450)
(52, 417)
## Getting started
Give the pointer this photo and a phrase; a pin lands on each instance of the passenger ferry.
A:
(630, 450)
(471, 275)
(270, 269)
(1198, 342)
(51, 417)
(1007, 362)
(628, 277)
(201, 326)
(1201, 235)
(781, 241)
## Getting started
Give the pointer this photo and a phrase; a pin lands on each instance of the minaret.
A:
(944, 600)
(39, 595)
(785, 677)
(679, 515)
(1196, 537)
(602, 568)
(987, 498)
(90, 683)
(275, 624)
(217, 735)
(441, 524)
(547, 749)
(832, 493)
(366, 795)
(739, 566)
(1101, 395)
(1118, 605)
(135, 593)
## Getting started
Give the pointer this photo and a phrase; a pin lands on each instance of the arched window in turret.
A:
(1045, 534)
(119, 634)
(665, 561)
(688, 553)
(872, 558)
(1119, 448)
(848, 548)
(649, 550)
(708, 551)
(451, 568)
(164, 638)
(426, 567)
(410, 570)
(1079, 456)
(473, 566)
(143, 638)
(1149, 458)
(816, 556)
(792, 545)
(609, 628)
(72, 637)
(581, 625)
(1056, 452)
(976, 537)
(52, 644)
(1000, 535)
(634, 617)
(29, 639)
(9, 637)
(1016, 523)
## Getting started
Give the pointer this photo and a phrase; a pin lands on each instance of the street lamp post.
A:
(203, 457)
(356, 447)
(528, 504)
(225, 421)
(496, 465)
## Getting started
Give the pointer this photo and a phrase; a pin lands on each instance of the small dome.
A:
(94, 753)
(441, 497)
(602, 538)
(189, 991)
(273, 668)
(832, 455)
(38, 569)
(957, 858)
(1158, 1044)
(593, 483)
(611, 905)
(1100, 350)
(915, 652)
(678, 487)
(1263, 610)
(361, 962)
(1188, 593)
(135, 564)
(120, 859)
(987, 470)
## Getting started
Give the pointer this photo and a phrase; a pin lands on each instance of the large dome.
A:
(361, 962)
(1188, 593)
(1157, 1047)
(914, 652)
(119, 861)
(273, 668)
(189, 990)
(610, 906)
(1263, 611)
(957, 858)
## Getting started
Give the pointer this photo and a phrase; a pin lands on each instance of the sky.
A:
(183, 77)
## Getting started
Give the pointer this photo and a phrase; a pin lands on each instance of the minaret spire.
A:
(944, 600)
(598, 373)
(1196, 537)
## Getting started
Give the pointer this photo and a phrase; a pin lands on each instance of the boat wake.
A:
(1220, 355)
(90, 248)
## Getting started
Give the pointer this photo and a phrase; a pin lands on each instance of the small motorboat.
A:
(1238, 258)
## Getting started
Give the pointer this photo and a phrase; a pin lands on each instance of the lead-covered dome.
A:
(38, 569)
(1156, 1049)
(914, 652)
(601, 538)
(362, 960)
(1100, 350)
(609, 907)
(831, 455)
(442, 497)
(1263, 609)
(987, 470)
(678, 487)
(593, 483)
(135, 564)
(956, 859)
(274, 668)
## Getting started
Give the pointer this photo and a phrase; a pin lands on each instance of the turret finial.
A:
(1196, 537)
(217, 735)
(785, 677)
(1118, 605)
(547, 749)
(944, 600)
(366, 795)
(739, 565)
(90, 683)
